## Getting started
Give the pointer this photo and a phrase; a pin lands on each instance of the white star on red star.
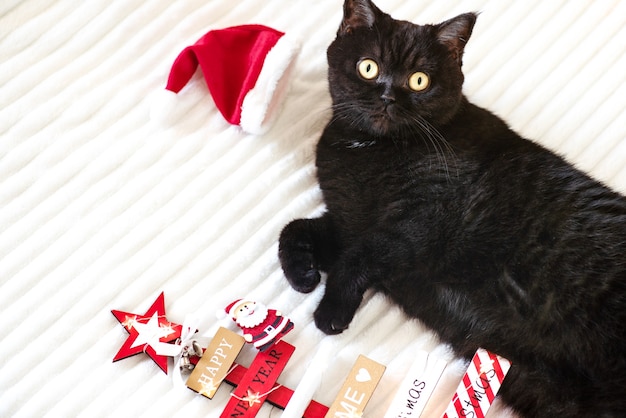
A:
(143, 329)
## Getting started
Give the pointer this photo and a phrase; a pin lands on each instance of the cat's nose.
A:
(388, 98)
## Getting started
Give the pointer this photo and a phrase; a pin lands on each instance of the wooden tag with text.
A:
(479, 385)
(416, 387)
(258, 382)
(215, 362)
(357, 389)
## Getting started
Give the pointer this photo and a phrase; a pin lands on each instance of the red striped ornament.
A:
(479, 386)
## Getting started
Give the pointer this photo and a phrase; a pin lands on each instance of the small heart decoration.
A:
(363, 375)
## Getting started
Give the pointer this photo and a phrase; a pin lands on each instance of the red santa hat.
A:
(229, 310)
(246, 69)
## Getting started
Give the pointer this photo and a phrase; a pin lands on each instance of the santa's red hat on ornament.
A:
(246, 69)
(230, 310)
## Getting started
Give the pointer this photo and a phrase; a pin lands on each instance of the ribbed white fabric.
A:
(101, 210)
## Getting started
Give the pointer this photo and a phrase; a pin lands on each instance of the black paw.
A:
(331, 321)
(304, 281)
(299, 269)
(297, 258)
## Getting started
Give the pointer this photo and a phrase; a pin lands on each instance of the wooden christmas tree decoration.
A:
(264, 329)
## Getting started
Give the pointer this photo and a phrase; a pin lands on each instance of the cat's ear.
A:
(358, 13)
(455, 33)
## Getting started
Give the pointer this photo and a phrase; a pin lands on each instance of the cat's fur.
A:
(488, 238)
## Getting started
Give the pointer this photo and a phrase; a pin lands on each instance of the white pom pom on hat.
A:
(246, 69)
(163, 107)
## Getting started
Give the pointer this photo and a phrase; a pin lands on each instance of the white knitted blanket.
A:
(102, 209)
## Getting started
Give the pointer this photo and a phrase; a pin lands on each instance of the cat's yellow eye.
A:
(368, 69)
(419, 81)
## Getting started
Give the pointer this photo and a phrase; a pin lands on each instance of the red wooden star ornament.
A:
(149, 333)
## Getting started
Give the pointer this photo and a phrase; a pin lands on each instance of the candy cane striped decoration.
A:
(479, 386)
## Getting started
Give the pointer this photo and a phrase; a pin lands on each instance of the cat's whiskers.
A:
(426, 131)
(417, 127)
(346, 111)
(336, 111)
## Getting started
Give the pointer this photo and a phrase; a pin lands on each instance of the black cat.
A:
(488, 238)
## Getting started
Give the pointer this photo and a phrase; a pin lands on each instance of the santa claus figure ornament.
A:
(261, 326)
